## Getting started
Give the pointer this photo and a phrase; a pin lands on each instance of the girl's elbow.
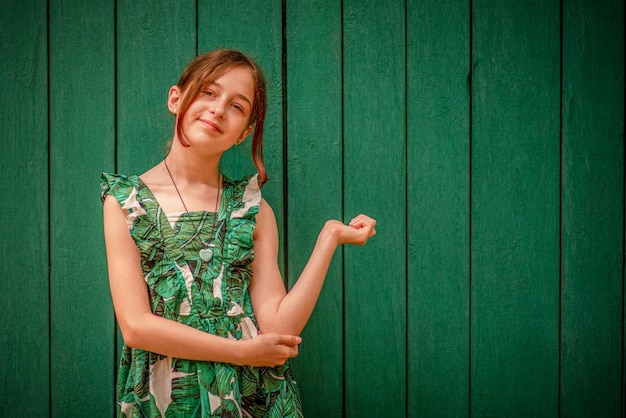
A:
(130, 337)
(132, 332)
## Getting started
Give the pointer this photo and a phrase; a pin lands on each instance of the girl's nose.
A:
(217, 108)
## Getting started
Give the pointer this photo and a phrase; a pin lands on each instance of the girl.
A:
(192, 257)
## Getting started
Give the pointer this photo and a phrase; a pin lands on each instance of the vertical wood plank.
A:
(593, 208)
(438, 67)
(155, 41)
(374, 183)
(515, 209)
(24, 283)
(314, 171)
(256, 29)
(82, 123)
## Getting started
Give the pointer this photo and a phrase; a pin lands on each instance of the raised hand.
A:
(357, 232)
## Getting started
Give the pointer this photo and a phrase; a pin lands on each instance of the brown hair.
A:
(206, 68)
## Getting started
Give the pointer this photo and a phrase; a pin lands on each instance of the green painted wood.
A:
(515, 209)
(155, 41)
(256, 29)
(403, 315)
(438, 167)
(24, 274)
(374, 183)
(314, 192)
(593, 208)
(82, 134)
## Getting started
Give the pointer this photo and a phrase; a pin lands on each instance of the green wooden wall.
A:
(486, 137)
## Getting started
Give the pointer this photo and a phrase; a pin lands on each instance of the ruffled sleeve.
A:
(243, 206)
(249, 198)
(124, 189)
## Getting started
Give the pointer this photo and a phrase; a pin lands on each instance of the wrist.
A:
(329, 235)
(240, 352)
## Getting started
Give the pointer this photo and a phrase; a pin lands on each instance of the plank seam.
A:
(623, 397)
(197, 46)
(285, 209)
(342, 185)
(49, 273)
(560, 365)
(116, 341)
(470, 196)
(406, 210)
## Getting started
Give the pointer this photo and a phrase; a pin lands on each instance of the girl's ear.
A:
(245, 134)
(173, 99)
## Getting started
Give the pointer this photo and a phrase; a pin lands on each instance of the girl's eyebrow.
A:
(238, 95)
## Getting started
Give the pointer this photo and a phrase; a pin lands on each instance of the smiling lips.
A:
(212, 125)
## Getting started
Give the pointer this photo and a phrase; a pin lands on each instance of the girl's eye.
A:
(237, 107)
(209, 93)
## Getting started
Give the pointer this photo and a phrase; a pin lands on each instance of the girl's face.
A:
(219, 117)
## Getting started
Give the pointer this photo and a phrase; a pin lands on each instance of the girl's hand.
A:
(269, 350)
(357, 232)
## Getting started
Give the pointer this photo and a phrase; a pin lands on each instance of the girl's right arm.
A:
(143, 330)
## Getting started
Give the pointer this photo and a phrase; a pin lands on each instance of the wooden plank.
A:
(258, 34)
(515, 209)
(24, 296)
(593, 208)
(375, 183)
(314, 171)
(155, 41)
(438, 64)
(82, 134)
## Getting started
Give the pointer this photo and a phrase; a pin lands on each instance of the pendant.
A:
(206, 254)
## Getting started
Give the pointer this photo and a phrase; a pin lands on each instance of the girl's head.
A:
(205, 69)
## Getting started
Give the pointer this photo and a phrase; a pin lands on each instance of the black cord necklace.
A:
(206, 253)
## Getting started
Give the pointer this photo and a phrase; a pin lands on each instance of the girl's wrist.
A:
(240, 352)
(329, 234)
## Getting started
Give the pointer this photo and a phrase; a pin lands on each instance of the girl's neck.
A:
(190, 168)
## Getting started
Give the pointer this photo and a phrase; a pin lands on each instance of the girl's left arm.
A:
(274, 308)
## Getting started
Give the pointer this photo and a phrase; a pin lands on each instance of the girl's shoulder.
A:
(120, 186)
(244, 195)
(246, 182)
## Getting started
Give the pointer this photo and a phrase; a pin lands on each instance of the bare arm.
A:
(144, 330)
(275, 309)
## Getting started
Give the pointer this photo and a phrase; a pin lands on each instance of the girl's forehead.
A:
(236, 74)
(238, 79)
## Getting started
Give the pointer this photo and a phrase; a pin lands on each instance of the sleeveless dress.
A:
(210, 296)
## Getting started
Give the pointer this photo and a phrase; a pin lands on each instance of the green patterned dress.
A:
(210, 296)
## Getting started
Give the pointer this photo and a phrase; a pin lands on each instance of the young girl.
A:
(192, 259)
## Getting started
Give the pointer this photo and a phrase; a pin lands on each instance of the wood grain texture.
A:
(256, 29)
(82, 135)
(438, 65)
(155, 41)
(375, 184)
(496, 232)
(24, 274)
(314, 192)
(515, 209)
(593, 208)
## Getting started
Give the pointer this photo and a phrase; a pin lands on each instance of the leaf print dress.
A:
(210, 296)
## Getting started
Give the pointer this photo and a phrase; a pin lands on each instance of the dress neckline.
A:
(227, 184)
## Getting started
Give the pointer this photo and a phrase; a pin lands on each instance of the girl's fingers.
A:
(364, 227)
(362, 220)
